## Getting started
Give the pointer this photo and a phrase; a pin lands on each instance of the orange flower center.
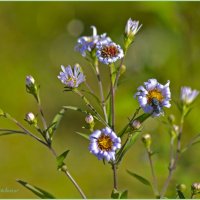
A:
(154, 94)
(105, 143)
(109, 51)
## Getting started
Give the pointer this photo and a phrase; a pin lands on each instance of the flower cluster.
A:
(72, 78)
(104, 143)
(153, 96)
(88, 43)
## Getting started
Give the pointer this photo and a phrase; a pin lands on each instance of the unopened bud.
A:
(181, 187)
(89, 119)
(146, 139)
(136, 124)
(123, 69)
(64, 168)
(30, 81)
(30, 118)
(171, 118)
(195, 187)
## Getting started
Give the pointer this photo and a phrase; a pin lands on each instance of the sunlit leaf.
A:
(55, 123)
(36, 190)
(60, 159)
(84, 135)
(131, 140)
(139, 178)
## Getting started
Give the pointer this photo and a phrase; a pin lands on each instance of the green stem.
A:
(114, 168)
(112, 99)
(175, 158)
(101, 90)
(118, 74)
(155, 184)
(88, 104)
(69, 175)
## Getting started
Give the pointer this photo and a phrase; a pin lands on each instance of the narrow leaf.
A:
(55, 123)
(36, 190)
(139, 178)
(60, 159)
(9, 132)
(84, 135)
(131, 140)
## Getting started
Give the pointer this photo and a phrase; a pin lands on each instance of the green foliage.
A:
(55, 123)
(139, 178)
(60, 159)
(36, 190)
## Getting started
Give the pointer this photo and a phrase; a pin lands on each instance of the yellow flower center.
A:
(154, 94)
(71, 79)
(105, 143)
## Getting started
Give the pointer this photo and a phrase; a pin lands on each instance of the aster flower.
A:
(188, 95)
(153, 96)
(132, 27)
(104, 143)
(109, 52)
(72, 78)
(88, 43)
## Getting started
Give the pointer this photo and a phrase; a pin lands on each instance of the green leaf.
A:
(9, 132)
(84, 135)
(130, 141)
(119, 195)
(93, 95)
(60, 159)
(180, 194)
(139, 178)
(36, 190)
(55, 123)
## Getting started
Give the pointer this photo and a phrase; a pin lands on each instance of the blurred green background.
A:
(37, 37)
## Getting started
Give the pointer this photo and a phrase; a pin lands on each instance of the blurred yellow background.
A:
(37, 37)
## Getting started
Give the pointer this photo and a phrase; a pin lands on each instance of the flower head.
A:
(109, 52)
(132, 27)
(153, 96)
(30, 81)
(30, 118)
(188, 95)
(72, 78)
(104, 143)
(88, 43)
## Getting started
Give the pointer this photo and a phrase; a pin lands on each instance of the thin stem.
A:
(68, 174)
(75, 184)
(118, 74)
(155, 183)
(112, 100)
(43, 118)
(114, 168)
(26, 131)
(101, 90)
(90, 106)
(174, 159)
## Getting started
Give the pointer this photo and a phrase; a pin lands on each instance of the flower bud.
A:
(146, 139)
(30, 81)
(136, 124)
(195, 188)
(123, 69)
(30, 118)
(171, 118)
(181, 187)
(89, 119)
